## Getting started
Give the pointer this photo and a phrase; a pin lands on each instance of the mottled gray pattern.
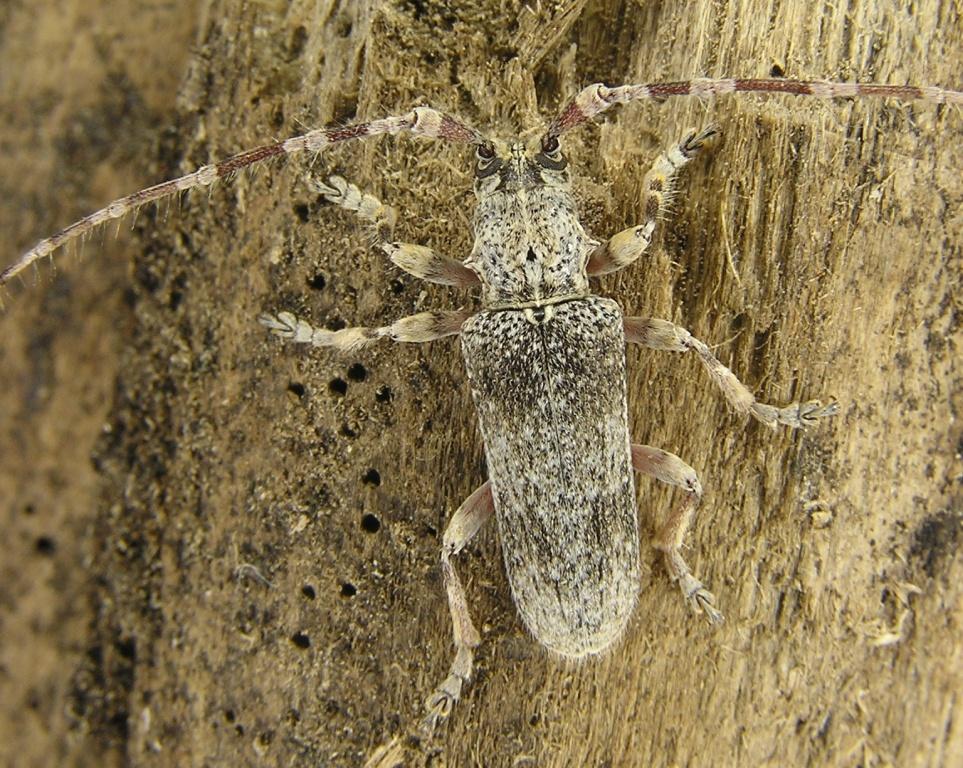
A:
(551, 402)
(529, 244)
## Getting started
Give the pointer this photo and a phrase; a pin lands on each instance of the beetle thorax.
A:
(530, 248)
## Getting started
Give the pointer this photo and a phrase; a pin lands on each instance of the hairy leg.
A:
(663, 335)
(425, 326)
(417, 260)
(668, 468)
(625, 247)
(474, 512)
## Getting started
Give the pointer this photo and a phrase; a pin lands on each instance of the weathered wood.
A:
(818, 247)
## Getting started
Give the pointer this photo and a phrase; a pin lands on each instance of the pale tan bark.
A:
(818, 246)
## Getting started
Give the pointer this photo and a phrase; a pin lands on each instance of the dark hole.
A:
(294, 716)
(308, 591)
(176, 298)
(357, 372)
(147, 279)
(384, 394)
(533, 720)
(317, 281)
(397, 286)
(348, 589)
(45, 545)
(776, 71)
(338, 386)
(29, 509)
(370, 523)
(301, 640)
(265, 738)
(372, 477)
(81, 700)
(296, 388)
(343, 28)
(127, 647)
(239, 729)
(419, 8)
(229, 715)
(348, 431)
(935, 540)
(299, 37)
(336, 324)
(531, 254)
(118, 723)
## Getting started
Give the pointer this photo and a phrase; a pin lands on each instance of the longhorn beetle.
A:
(545, 360)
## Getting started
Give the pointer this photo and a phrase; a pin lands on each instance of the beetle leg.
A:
(464, 524)
(625, 247)
(668, 468)
(425, 326)
(417, 260)
(666, 336)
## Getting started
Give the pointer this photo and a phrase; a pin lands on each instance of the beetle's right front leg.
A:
(625, 247)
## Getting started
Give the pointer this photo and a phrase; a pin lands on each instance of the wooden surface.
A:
(162, 455)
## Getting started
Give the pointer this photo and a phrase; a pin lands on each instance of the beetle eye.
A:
(488, 161)
(550, 145)
(550, 157)
(485, 151)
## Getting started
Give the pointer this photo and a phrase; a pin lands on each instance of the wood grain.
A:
(817, 248)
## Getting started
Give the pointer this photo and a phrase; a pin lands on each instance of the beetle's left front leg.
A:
(417, 260)
(464, 524)
(663, 335)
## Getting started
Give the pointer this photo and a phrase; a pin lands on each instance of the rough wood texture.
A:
(819, 247)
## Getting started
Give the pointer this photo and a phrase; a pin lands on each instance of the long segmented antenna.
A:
(421, 121)
(597, 98)
(430, 123)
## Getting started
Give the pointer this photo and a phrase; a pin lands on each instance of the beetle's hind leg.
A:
(669, 468)
(464, 524)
